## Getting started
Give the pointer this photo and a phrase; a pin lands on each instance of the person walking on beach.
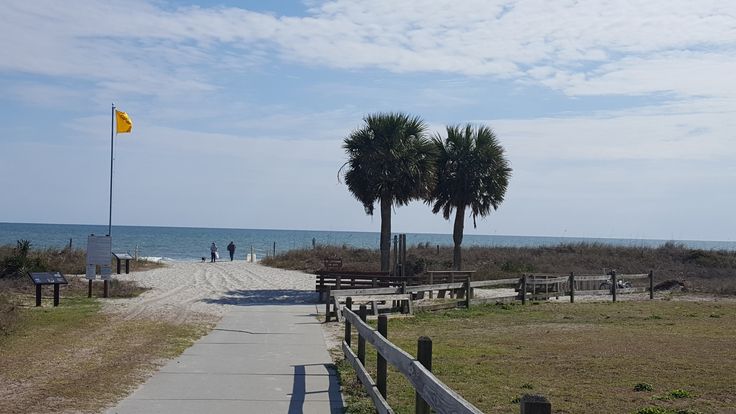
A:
(231, 249)
(213, 252)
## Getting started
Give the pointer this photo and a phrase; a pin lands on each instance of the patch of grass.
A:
(9, 314)
(660, 410)
(74, 358)
(680, 394)
(356, 400)
(488, 352)
(643, 386)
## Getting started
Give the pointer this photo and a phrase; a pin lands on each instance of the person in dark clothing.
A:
(231, 249)
(213, 252)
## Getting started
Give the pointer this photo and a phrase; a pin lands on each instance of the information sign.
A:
(91, 272)
(99, 250)
(106, 272)
(48, 278)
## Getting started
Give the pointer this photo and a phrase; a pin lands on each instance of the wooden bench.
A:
(336, 280)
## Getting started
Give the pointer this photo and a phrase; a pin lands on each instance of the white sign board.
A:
(106, 272)
(91, 273)
(99, 250)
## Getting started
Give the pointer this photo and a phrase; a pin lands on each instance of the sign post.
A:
(47, 278)
(99, 253)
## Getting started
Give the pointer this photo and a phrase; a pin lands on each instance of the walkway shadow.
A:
(242, 297)
(299, 390)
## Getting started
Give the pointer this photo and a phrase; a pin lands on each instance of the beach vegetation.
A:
(390, 162)
(670, 271)
(576, 356)
(16, 261)
(472, 175)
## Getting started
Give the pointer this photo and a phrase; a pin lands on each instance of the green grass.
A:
(578, 355)
(75, 358)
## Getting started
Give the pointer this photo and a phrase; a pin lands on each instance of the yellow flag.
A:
(124, 124)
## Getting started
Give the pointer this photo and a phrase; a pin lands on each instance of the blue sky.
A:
(617, 116)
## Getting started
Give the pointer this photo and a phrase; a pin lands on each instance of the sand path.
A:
(203, 292)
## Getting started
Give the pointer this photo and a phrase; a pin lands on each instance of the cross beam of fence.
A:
(437, 395)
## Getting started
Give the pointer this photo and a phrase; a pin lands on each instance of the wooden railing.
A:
(528, 287)
(430, 391)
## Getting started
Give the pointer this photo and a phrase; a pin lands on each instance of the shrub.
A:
(643, 386)
(680, 394)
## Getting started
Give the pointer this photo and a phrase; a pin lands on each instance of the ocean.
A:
(190, 243)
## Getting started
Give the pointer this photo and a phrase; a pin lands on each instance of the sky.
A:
(617, 116)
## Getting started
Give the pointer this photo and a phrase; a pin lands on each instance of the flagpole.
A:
(112, 146)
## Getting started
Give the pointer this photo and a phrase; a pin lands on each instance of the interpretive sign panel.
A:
(48, 278)
(99, 250)
(106, 271)
(91, 272)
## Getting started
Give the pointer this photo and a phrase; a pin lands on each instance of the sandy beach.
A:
(185, 292)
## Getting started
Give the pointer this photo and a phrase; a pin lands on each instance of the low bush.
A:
(702, 271)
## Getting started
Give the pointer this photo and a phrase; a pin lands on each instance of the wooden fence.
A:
(430, 391)
(528, 287)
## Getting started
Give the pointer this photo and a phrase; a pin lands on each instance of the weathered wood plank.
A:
(636, 276)
(437, 286)
(439, 396)
(338, 314)
(368, 291)
(547, 281)
(368, 385)
(497, 282)
(371, 298)
(591, 278)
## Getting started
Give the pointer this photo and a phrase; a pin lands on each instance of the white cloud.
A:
(592, 47)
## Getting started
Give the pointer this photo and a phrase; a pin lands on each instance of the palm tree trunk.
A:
(385, 234)
(457, 237)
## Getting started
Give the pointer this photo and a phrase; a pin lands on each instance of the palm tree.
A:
(390, 161)
(473, 172)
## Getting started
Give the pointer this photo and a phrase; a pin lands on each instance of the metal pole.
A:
(112, 146)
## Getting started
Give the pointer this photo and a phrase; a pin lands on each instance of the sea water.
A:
(190, 243)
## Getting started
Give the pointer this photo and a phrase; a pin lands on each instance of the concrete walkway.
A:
(259, 359)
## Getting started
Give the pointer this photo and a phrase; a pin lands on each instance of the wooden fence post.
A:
(348, 327)
(467, 293)
(535, 404)
(615, 283)
(327, 304)
(431, 282)
(424, 356)
(523, 289)
(651, 284)
(404, 304)
(572, 287)
(38, 295)
(381, 367)
(362, 312)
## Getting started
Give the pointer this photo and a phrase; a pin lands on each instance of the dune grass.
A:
(702, 270)
(661, 356)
